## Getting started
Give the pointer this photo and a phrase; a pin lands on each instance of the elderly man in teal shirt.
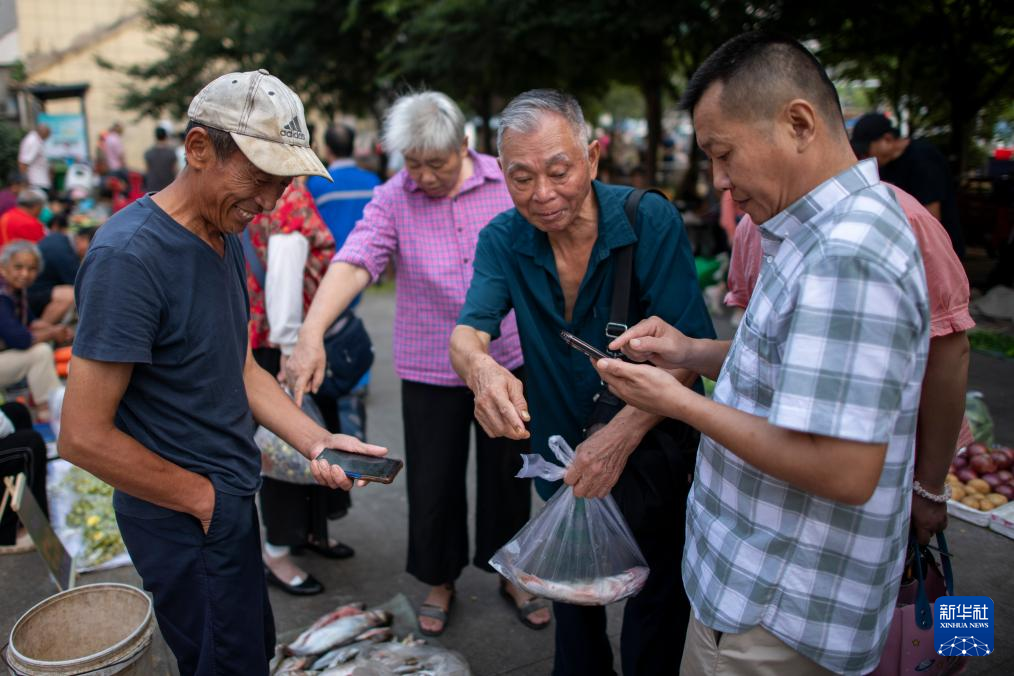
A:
(551, 260)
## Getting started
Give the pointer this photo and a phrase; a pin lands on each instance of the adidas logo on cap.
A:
(292, 130)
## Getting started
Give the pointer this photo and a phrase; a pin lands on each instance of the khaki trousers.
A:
(755, 652)
(37, 364)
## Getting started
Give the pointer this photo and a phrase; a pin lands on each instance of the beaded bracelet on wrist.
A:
(932, 497)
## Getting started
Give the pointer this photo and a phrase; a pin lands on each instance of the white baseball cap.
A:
(264, 117)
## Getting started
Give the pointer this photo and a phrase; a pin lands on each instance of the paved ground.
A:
(482, 625)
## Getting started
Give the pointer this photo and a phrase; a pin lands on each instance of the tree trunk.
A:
(651, 89)
(488, 145)
(961, 130)
(378, 116)
(688, 188)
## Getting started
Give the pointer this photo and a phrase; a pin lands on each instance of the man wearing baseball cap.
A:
(164, 394)
(914, 165)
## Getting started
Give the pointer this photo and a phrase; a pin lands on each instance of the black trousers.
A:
(652, 494)
(438, 423)
(293, 512)
(24, 436)
(210, 598)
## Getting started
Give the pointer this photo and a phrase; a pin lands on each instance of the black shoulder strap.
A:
(623, 275)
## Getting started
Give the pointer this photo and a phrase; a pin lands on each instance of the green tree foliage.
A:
(948, 63)
(10, 139)
(484, 53)
(329, 50)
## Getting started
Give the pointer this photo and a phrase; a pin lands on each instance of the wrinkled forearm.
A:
(469, 347)
(636, 421)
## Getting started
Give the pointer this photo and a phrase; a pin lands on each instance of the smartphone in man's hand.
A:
(365, 467)
(581, 346)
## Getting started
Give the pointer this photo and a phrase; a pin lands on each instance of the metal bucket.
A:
(97, 629)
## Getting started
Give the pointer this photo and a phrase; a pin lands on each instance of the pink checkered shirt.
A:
(433, 243)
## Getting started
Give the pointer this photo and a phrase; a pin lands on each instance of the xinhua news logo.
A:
(963, 626)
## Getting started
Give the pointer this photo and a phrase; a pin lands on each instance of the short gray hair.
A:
(423, 121)
(17, 246)
(31, 197)
(523, 112)
(221, 141)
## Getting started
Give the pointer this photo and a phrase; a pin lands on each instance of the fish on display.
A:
(376, 635)
(339, 655)
(409, 658)
(341, 670)
(324, 636)
(292, 665)
(346, 653)
(338, 613)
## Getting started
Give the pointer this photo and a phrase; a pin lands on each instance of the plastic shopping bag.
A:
(281, 461)
(979, 419)
(576, 550)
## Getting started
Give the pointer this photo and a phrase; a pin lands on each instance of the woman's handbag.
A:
(349, 353)
(347, 346)
(910, 648)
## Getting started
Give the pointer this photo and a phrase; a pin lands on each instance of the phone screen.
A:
(582, 346)
(368, 467)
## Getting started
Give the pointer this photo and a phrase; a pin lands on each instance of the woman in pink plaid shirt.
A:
(427, 218)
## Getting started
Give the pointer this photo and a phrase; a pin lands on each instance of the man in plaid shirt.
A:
(798, 518)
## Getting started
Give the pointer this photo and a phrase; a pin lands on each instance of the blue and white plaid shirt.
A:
(834, 343)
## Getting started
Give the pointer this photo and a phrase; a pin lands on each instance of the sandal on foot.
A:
(525, 609)
(435, 612)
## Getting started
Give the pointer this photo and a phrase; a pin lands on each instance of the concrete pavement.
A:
(482, 626)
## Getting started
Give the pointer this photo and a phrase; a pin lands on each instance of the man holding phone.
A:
(164, 391)
(552, 260)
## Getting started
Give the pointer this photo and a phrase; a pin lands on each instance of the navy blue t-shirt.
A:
(152, 293)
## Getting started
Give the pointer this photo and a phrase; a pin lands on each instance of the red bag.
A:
(910, 648)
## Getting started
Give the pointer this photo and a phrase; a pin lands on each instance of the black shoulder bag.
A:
(669, 435)
(348, 349)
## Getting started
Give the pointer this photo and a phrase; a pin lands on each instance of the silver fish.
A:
(376, 635)
(338, 613)
(291, 666)
(398, 658)
(339, 631)
(340, 655)
(341, 670)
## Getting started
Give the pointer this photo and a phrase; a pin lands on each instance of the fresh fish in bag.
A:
(576, 550)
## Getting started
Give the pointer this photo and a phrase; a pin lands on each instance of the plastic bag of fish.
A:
(576, 550)
(352, 641)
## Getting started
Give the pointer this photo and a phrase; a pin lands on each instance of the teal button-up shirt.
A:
(515, 269)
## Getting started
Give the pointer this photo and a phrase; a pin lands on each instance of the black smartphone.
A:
(365, 467)
(582, 346)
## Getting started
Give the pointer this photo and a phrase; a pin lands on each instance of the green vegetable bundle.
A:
(92, 512)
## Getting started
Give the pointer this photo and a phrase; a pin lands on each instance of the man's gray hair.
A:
(17, 246)
(31, 197)
(423, 121)
(523, 112)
